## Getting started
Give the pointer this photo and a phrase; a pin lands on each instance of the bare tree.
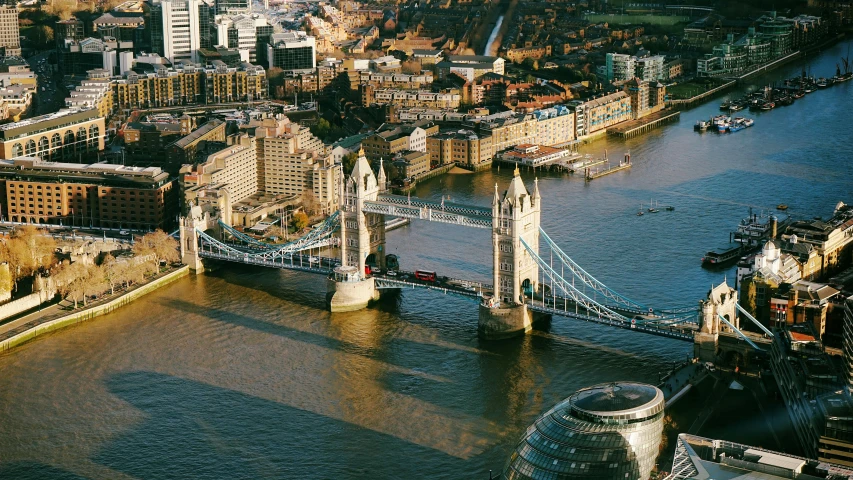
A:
(70, 281)
(159, 245)
(111, 272)
(39, 247)
(309, 202)
(5, 278)
(94, 283)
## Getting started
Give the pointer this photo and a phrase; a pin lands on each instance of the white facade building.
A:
(650, 69)
(245, 27)
(180, 29)
(620, 67)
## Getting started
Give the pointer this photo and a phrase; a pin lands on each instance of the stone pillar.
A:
(497, 323)
(347, 290)
(189, 246)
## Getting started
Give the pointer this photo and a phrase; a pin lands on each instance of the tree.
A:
(309, 202)
(111, 271)
(321, 129)
(41, 35)
(69, 279)
(299, 221)
(275, 78)
(159, 245)
(750, 297)
(5, 278)
(349, 161)
(41, 248)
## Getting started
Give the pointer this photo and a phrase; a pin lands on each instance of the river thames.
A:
(242, 373)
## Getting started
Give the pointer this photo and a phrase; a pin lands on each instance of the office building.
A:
(63, 134)
(241, 32)
(651, 68)
(10, 35)
(390, 139)
(177, 35)
(292, 162)
(832, 239)
(291, 51)
(97, 195)
(183, 151)
(225, 7)
(700, 458)
(78, 57)
(596, 115)
(607, 431)
(71, 29)
(189, 84)
(93, 92)
(411, 164)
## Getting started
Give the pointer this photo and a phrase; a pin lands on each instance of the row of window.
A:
(56, 141)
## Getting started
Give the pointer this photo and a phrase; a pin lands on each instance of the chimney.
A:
(774, 223)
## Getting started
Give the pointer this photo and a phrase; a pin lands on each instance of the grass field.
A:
(693, 87)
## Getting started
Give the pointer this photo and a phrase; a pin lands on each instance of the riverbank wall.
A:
(689, 102)
(41, 328)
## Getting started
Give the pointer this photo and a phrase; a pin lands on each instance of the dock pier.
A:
(589, 175)
(638, 127)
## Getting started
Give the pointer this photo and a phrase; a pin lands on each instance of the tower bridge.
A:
(528, 284)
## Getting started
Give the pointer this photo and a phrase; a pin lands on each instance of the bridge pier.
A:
(347, 291)
(498, 323)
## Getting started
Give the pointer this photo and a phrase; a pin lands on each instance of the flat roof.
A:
(51, 120)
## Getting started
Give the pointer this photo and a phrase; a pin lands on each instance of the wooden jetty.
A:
(633, 128)
(589, 175)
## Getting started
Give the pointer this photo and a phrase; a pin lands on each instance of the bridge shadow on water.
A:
(289, 285)
(437, 373)
(195, 430)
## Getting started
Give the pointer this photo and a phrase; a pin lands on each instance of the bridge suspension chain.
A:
(572, 293)
(619, 301)
(320, 236)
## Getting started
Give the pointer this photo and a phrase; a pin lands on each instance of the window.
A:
(31, 147)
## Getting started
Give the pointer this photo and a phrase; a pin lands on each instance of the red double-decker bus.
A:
(425, 276)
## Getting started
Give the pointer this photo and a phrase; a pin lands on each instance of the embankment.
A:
(41, 326)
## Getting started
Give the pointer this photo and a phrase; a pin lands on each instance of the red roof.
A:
(801, 337)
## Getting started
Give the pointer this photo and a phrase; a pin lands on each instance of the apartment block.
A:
(9, 31)
(462, 147)
(97, 195)
(233, 166)
(63, 134)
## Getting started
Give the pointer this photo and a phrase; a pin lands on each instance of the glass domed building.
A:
(607, 431)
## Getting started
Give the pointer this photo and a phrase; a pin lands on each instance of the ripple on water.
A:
(242, 373)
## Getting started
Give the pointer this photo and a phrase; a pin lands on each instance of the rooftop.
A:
(703, 458)
(615, 397)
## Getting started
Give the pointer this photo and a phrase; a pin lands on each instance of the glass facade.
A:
(294, 58)
(607, 431)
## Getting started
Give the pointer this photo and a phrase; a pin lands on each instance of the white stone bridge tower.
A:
(515, 217)
(720, 303)
(362, 239)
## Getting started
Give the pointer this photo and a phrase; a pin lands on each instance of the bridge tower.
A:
(362, 240)
(721, 302)
(189, 244)
(515, 217)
